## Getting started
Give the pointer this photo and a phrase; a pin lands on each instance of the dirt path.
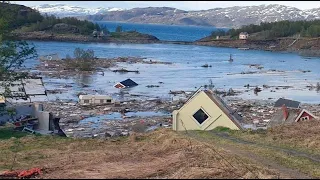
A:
(288, 151)
(284, 172)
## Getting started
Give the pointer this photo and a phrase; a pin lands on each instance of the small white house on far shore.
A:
(243, 35)
(95, 99)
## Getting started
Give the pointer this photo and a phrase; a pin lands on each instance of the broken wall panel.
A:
(34, 87)
(26, 90)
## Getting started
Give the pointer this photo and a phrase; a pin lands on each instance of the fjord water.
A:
(163, 32)
(186, 73)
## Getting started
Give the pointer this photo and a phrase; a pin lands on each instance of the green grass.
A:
(221, 129)
(7, 133)
(126, 35)
(295, 162)
(261, 137)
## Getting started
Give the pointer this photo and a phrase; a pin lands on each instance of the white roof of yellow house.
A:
(232, 115)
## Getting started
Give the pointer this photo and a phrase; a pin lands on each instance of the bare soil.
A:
(160, 154)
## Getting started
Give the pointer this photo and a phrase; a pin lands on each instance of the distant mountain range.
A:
(231, 17)
(62, 10)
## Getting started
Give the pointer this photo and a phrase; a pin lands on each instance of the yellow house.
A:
(205, 111)
(2, 99)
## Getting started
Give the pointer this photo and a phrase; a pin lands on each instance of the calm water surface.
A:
(164, 32)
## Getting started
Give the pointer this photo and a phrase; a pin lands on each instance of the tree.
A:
(314, 31)
(119, 29)
(303, 32)
(97, 27)
(12, 56)
(104, 29)
(281, 29)
(218, 32)
(83, 60)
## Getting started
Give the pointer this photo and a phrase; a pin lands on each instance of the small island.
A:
(28, 24)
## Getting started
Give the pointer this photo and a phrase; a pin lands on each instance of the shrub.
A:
(83, 60)
(119, 29)
(222, 129)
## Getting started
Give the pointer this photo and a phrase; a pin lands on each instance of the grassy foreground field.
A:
(165, 154)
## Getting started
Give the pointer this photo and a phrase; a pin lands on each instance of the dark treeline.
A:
(276, 29)
(19, 16)
(85, 27)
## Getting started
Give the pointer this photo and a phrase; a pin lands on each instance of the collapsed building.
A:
(24, 90)
(20, 107)
(31, 118)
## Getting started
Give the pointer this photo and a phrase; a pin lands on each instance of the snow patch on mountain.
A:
(63, 10)
(220, 17)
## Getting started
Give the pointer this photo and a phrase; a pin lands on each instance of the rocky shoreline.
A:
(45, 36)
(302, 46)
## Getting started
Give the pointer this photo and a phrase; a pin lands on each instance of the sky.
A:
(183, 5)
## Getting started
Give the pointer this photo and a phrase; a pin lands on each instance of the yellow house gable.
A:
(2, 99)
(202, 113)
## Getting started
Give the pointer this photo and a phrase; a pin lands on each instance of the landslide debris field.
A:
(168, 154)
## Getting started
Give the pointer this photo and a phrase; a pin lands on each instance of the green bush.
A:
(119, 29)
(222, 129)
(7, 133)
(83, 60)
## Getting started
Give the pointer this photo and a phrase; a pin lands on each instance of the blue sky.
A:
(184, 5)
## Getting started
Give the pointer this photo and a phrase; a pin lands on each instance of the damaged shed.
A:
(286, 115)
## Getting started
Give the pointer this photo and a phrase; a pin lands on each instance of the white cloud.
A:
(184, 5)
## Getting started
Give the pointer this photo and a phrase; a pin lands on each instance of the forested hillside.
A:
(27, 19)
(277, 29)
